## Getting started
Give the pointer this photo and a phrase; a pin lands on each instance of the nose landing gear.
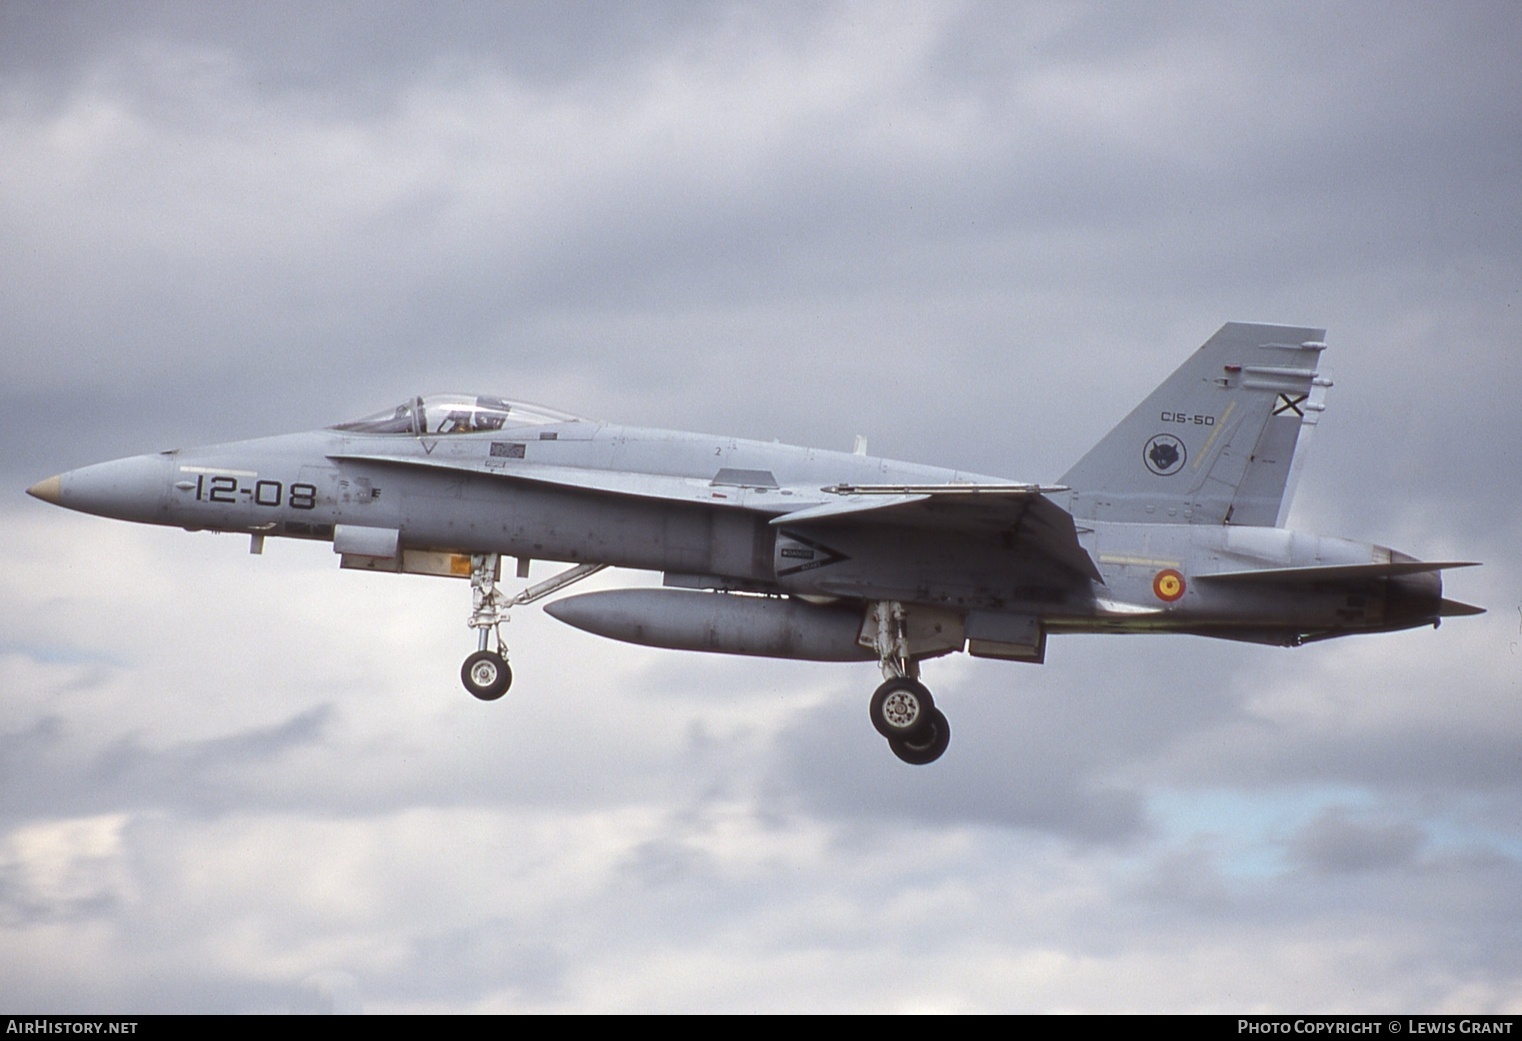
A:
(486, 674)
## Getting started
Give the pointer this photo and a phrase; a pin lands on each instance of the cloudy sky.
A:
(975, 233)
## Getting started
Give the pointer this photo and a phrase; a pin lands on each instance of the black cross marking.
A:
(1289, 404)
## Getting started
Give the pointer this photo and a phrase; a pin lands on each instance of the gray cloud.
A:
(1335, 843)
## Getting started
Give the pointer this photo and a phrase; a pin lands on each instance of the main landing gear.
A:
(902, 709)
(486, 673)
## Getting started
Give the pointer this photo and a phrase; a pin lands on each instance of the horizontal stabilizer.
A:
(1336, 572)
(1455, 609)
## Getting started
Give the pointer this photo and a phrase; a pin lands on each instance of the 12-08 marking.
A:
(222, 488)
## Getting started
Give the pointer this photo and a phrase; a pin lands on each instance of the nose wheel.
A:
(486, 675)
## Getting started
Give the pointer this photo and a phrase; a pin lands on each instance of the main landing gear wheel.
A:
(486, 675)
(901, 708)
(926, 747)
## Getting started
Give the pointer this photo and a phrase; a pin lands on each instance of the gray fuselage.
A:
(698, 508)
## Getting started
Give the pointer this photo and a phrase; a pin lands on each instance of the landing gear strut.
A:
(486, 673)
(902, 709)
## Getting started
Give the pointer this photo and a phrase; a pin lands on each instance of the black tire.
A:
(928, 747)
(901, 708)
(486, 675)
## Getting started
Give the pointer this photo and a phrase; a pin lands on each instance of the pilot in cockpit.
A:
(457, 422)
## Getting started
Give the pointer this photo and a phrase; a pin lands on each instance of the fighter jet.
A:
(1173, 523)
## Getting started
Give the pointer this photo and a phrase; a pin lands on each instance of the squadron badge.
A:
(1164, 455)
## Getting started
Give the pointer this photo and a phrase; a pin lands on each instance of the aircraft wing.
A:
(861, 498)
(1036, 521)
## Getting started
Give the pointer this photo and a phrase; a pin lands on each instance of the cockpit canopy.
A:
(443, 414)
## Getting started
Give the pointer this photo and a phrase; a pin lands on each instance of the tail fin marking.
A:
(1215, 442)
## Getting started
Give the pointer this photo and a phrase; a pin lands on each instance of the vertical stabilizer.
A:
(1215, 443)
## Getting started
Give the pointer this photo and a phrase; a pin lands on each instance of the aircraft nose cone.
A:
(48, 491)
(128, 489)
